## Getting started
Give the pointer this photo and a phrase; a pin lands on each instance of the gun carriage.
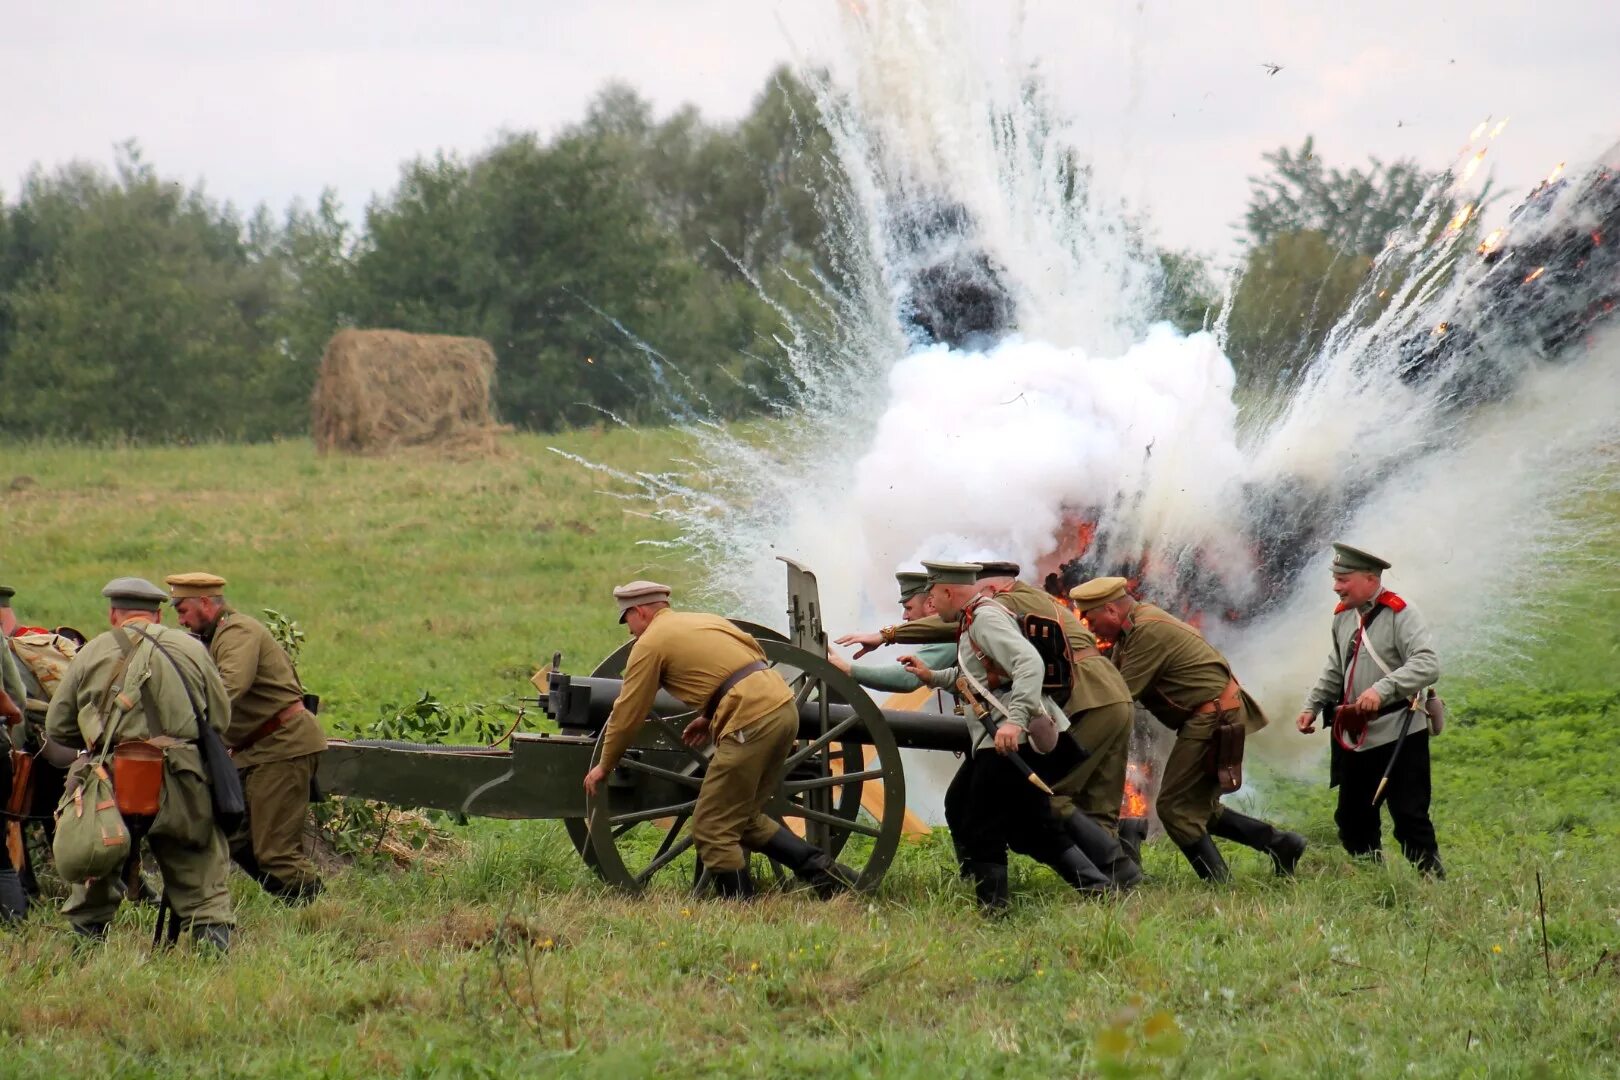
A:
(843, 786)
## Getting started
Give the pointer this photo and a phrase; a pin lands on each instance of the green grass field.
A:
(504, 957)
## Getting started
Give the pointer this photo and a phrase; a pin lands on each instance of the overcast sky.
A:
(276, 100)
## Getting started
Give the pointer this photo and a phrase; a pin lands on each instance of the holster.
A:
(20, 801)
(1225, 755)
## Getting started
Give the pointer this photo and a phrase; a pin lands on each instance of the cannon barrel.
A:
(582, 704)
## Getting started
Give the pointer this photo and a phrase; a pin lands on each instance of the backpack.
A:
(46, 655)
(1051, 642)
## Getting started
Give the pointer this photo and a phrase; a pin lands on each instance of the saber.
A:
(982, 712)
(1383, 781)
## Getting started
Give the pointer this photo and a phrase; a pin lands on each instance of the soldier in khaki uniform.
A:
(1098, 708)
(892, 677)
(165, 678)
(747, 713)
(274, 740)
(13, 697)
(1189, 687)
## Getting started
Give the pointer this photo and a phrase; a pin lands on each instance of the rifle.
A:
(981, 711)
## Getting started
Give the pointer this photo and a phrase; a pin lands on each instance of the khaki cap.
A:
(998, 569)
(640, 592)
(196, 583)
(1097, 592)
(134, 594)
(912, 583)
(1349, 560)
(951, 573)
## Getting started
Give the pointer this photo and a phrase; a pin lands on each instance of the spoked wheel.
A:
(639, 823)
(612, 667)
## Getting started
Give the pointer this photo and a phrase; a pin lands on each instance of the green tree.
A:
(133, 308)
(1354, 209)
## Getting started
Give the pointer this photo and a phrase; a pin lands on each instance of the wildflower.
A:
(754, 966)
(1496, 948)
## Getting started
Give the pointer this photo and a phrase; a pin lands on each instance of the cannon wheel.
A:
(612, 667)
(821, 786)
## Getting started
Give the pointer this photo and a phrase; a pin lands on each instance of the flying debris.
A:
(1272, 69)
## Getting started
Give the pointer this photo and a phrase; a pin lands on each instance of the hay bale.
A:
(379, 390)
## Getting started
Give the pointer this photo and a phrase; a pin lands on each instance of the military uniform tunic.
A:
(690, 654)
(891, 678)
(1099, 708)
(278, 767)
(1400, 636)
(1173, 671)
(990, 806)
(188, 845)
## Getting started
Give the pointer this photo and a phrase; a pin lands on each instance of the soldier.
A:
(1189, 687)
(894, 678)
(1098, 707)
(1100, 717)
(179, 689)
(1381, 661)
(273, 738)
(992, 806)
(747, 712)
(13, 898)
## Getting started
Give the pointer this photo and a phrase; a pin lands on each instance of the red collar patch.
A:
(1387, 598)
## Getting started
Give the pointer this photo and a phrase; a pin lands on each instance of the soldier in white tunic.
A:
(1372, 695)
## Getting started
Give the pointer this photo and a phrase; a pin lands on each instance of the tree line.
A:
(616, 268)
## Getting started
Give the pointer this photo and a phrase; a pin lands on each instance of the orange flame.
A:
(1473, 164)
(1138, 778)
(1537, 272)
(1491, 242)
(1463, 217)
(1479, 130)
(1558, 170)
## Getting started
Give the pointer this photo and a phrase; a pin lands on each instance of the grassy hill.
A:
(503, 956)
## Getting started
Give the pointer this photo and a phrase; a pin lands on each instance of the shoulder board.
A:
(1341, 609)
(1391, 601)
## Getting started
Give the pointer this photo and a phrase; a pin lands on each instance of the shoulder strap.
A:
(198, 713)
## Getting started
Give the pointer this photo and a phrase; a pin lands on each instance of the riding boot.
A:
(212, 936)
(1132, 835)
(809, 863)
(1073, 866)
(1428, 863)
(13, 899)
(1206, 859)
(89, 933)
(293, 894)
(733, 884)
(990, 886)
(1285, 848)
(1104, 849)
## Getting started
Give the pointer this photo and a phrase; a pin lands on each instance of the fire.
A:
(1463, 217)
(1491, 242)
(1473, 164)
(1558, 170)
(1138, 781)
(1537, 272)
(1480, 130)
(1497, 130)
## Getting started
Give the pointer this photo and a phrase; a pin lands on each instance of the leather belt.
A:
(730, 681)
(270, 726)
(1230, 699)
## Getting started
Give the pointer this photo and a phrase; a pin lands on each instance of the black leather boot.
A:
(293, 894)
(1103, 849)
(88, 933)
(990, 886)
(1285, 848)
(1133, 833)
(1428, 863)
(13, 900)
(809, 863)
(1206, 859)
(1073, 866)
(212, 936)
(733, 884)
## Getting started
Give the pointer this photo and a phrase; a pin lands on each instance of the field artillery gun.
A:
(843, 785)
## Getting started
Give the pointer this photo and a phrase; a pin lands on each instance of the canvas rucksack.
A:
(46, 655)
